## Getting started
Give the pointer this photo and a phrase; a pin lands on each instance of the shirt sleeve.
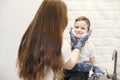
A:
(66, 51)
(91, 50)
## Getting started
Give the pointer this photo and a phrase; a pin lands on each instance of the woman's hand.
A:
(82, 40)
(72, 37)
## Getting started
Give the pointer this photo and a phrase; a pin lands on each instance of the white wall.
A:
(105, 23)
(15, 16)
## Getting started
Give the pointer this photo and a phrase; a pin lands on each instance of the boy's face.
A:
(80, 28)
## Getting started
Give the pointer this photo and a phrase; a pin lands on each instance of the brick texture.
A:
(105, 23)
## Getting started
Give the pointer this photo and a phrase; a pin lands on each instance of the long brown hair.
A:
(40, 47)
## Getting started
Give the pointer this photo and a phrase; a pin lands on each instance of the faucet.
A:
(114, 75)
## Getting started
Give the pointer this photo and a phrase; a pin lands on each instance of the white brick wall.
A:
(105, 23)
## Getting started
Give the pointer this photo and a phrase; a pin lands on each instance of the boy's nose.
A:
(79, 29)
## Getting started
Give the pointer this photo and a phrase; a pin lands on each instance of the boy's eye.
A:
(76, 27)
(82, 27)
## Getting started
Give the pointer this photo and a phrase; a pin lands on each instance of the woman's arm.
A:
(73, 59)
(75, 53)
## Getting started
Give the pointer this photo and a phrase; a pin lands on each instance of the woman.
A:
(43, 52)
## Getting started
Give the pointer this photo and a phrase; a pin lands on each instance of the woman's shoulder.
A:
(66, 43)
(66, 50)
